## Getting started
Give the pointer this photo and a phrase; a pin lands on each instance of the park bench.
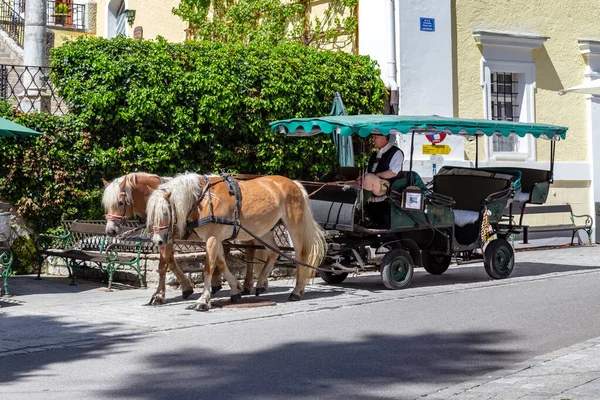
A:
(6, 254)
(556, 209)
(86, 243)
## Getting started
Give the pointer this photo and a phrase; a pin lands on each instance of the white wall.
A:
(373, 32)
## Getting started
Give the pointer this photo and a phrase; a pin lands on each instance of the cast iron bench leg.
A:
(525, 234)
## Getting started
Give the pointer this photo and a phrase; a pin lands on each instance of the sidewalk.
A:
(569, 373)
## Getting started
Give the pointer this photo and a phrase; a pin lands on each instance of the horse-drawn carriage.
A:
(463, 213)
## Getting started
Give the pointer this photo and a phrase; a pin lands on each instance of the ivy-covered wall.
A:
(168, 108)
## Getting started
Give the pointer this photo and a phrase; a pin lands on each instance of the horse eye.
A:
(165, 214)
(120, 203)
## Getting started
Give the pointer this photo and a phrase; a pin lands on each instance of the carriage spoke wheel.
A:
(499, 259)
(397, 269)
(435, 264)
(333, 278)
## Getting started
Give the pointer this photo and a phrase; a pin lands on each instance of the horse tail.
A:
(313, 236)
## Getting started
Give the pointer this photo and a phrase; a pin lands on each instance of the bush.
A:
(166, 108)
(53, 175)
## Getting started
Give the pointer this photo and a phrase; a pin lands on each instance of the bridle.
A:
(157, 229)
(119, 219)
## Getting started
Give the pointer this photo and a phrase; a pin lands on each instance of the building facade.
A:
(501, 59)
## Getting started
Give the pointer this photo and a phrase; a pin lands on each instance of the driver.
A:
(384, 165)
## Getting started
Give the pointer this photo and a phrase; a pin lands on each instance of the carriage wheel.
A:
(397, 269)
(333, 278)
(435, 264)
(499, 259)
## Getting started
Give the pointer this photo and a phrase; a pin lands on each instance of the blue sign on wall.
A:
(428, 24)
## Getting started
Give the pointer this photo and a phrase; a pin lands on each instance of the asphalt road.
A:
(353, 341)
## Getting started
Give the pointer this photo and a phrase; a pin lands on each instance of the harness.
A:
(234, 190)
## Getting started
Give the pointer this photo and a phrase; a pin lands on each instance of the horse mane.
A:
(112, 193)
(184, 192)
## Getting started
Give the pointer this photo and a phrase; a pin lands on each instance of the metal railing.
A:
(11, 22)
(74, 18)
(29, 89)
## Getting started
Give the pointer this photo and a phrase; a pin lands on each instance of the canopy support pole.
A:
(476, 151)
(552, 154)
(412, 149)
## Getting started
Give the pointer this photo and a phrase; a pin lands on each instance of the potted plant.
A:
(60, 13)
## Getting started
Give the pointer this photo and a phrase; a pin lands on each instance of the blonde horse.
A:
(264, 202)
(128, 195)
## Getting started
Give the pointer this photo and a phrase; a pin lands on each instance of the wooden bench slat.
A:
(551, 228)
(82, 227)
(548, 209)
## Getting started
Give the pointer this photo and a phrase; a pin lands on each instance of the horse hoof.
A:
(215, 289)
(259, 291)
(246, 292)
(156, 300)
(294, 297)
(201, 307)
(234, 298)
(187, 293)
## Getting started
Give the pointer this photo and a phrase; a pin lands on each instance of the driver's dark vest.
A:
(384, 162)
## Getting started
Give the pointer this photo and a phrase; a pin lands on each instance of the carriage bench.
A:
(86, 242)
(555, 209)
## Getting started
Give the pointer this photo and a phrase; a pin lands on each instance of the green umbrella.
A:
(12, 129)
(342, 143)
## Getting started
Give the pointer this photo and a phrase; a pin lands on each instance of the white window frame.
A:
(526, 110)
(510, 53)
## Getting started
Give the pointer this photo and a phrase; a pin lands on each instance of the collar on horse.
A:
(234, 190)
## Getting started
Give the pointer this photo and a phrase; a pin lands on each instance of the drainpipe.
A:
(392, 78)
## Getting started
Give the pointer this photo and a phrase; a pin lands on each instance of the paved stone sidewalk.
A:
(571, 373)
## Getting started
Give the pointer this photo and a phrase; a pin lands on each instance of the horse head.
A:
(160, 217)
(118, 205)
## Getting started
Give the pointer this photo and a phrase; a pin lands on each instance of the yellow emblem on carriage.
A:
(436, 149)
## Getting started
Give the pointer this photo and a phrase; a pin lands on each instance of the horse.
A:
(128, 195)
(264, 202)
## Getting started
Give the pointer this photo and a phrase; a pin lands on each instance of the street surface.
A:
(356, 340)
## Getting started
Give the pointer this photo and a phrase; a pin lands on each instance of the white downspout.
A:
(392, 77)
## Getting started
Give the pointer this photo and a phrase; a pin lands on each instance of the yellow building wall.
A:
(61, 36)
(155, 18)
(558, 63)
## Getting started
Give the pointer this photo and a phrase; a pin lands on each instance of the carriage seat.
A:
(469, 189)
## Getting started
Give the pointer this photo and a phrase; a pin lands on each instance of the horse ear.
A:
(167, 195)
(105, 182)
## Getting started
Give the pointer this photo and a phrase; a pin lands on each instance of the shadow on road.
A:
(319, 369)
(472, 273)
(32, 336)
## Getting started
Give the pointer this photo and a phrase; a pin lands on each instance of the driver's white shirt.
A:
(396, 161)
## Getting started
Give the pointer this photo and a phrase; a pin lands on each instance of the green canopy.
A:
(9, 128)
(365, 125)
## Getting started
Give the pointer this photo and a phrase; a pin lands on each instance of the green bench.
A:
(6, 254)
(86, 243)
(586, 225)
